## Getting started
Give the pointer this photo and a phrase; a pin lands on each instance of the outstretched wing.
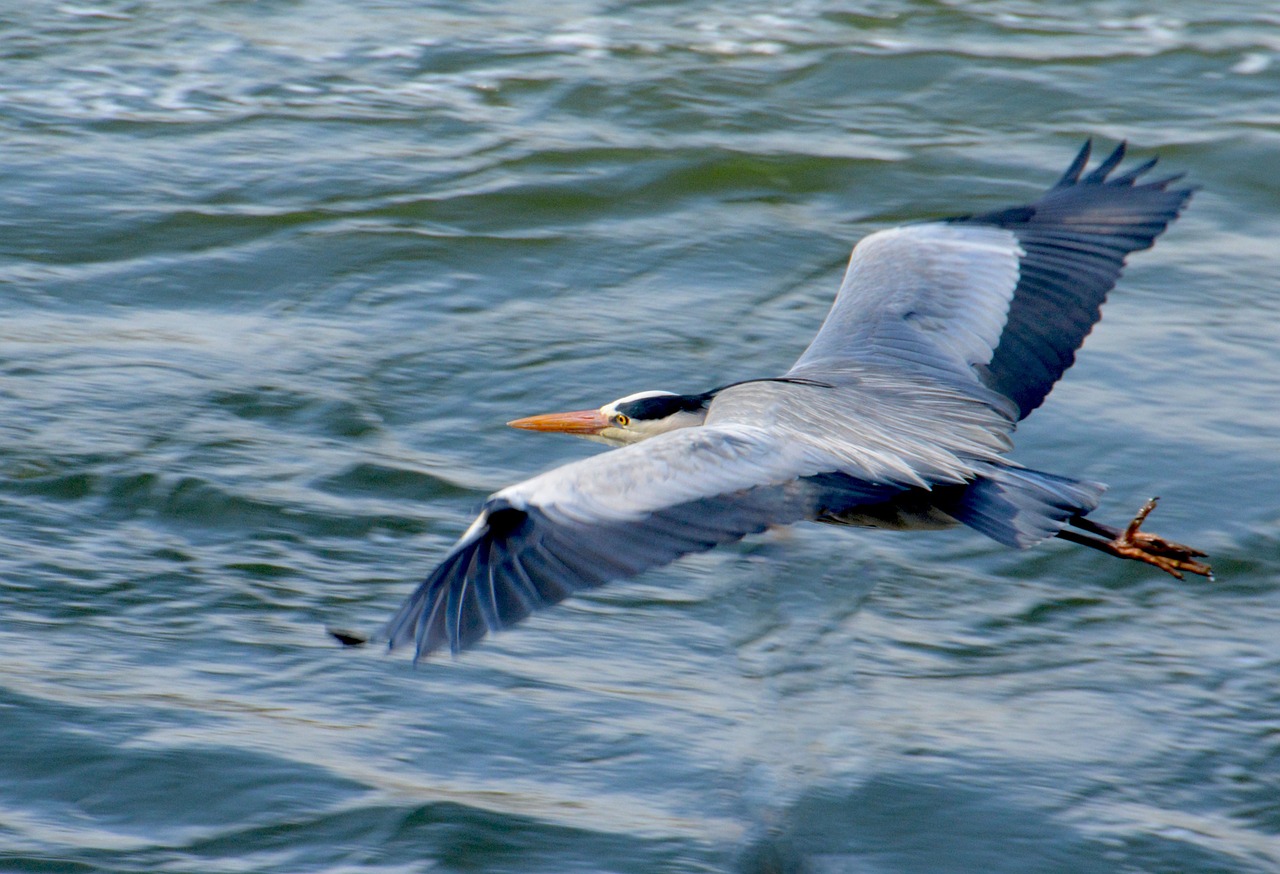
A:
(1006, 297)
(612, 516)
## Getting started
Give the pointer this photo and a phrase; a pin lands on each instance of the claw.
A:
(1170, 557)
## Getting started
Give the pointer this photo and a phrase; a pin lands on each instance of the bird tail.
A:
(1020, 507)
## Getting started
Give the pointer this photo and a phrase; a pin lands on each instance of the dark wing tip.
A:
(1072, 175)
(421, 619)
(1101, 175)
(1097, 187)
(1132, 175)
(1164, 182)
(482, 584)
(1109, 163)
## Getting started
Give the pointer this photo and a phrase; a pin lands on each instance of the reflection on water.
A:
(274, 275)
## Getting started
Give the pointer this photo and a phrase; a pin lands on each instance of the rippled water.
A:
(274, 275)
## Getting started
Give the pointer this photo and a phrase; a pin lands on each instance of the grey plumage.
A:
(943, 335)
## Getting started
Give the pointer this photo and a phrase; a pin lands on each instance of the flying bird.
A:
(943, 336)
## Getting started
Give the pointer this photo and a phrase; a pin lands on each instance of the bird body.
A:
(943, 335)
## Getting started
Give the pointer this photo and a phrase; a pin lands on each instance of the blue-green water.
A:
(274, 275)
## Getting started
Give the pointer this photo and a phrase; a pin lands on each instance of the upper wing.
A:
(935, 295)
(615, 515)
(1007, 296)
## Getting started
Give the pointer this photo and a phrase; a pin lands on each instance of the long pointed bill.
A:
(576, 422)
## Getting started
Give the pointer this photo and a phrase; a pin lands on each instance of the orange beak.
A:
(576, 422)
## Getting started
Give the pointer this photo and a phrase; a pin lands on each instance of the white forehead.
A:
(613, 405)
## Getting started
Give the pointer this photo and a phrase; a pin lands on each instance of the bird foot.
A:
(1172, 558)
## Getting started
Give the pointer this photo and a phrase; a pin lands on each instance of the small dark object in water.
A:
(347, 638)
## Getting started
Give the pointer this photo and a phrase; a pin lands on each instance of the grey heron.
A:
(942, 337)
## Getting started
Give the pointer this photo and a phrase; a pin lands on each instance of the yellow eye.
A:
(622, 420)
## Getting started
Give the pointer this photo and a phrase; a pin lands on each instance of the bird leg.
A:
(1133, 543)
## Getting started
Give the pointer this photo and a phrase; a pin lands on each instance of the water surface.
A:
(274, 275)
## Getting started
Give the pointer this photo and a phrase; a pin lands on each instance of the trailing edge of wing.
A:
(517, 560)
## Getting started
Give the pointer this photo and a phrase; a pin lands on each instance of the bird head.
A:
(627, 420)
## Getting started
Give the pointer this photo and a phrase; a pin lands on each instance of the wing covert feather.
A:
(536, 543)
(934, 294)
